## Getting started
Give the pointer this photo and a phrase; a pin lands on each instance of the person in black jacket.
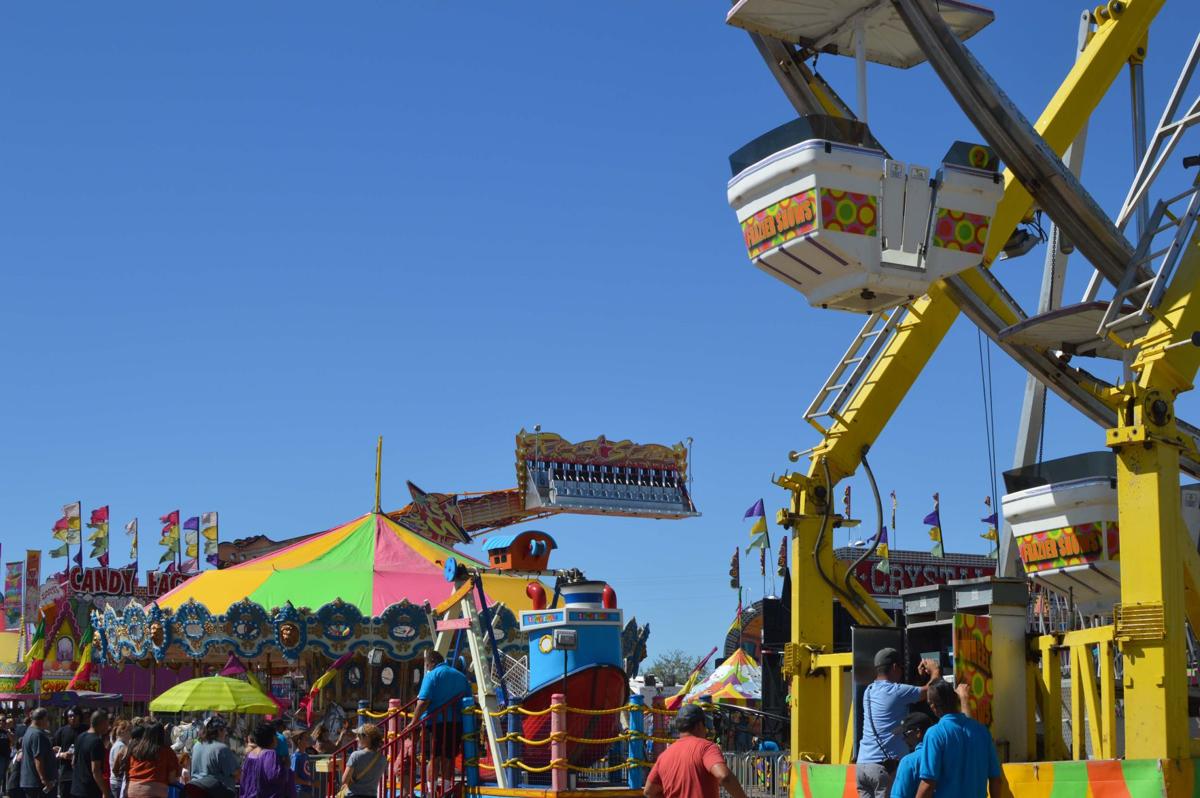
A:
(64, 742)
(6, 749)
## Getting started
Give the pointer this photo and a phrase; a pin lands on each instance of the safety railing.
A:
(1086, 662)
(622, 757)
(448, 749)
(762, 774)
(392, 723)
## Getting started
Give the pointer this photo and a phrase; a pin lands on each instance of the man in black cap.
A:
(885, 703)
(692, 766)
(908, 778)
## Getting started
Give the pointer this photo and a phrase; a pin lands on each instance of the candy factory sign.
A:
(123, 582)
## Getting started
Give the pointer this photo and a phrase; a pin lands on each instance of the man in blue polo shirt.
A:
(885, 703)
(442, 688)
(958, 757)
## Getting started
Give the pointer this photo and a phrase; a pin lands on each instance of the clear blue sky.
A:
(241, 240)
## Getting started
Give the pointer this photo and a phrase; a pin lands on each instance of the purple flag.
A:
(211, 559)
(990, 520)
(756, 509)
(934, 518)
(192, 523)
(233, 667)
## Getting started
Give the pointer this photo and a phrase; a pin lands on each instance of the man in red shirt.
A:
(692, 766)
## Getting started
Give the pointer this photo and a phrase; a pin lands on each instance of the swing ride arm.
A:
(816, 582)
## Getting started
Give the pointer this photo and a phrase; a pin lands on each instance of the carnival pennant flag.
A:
(990, 520)
(61, 550)
(131, 530)
(735, 569)
(86, 664)
(99, 536)
(191, 543)
(893, 512)
(759, 536)
(14, 578)
(36, 656)
(934, 520)
(881, 551)
(208, 531)
(846, 503)
(71, 514)
(325, 678)
(170, 536)
(736, 626)
(781, 565)
(66, 530)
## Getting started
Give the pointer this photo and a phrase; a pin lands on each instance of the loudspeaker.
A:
(775, 624)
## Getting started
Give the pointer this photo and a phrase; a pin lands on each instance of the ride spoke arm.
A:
(930, 318)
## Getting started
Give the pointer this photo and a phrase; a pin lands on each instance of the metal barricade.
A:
(762, 774)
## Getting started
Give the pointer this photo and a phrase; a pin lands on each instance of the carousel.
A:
(365, 587)
(369, 596)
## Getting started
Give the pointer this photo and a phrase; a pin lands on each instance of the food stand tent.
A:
(371, 562)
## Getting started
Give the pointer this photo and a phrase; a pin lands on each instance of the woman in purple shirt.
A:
(264, 774)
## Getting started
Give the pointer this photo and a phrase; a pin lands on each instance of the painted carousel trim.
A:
(403, 630)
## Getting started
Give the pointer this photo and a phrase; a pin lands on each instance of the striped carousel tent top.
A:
(738, 678)
(371, 562)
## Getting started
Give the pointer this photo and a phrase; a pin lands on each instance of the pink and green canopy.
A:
(371, 562)
(737, 679)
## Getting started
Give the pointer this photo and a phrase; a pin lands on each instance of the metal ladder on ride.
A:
(486, 687)
(1163, 220)
(843, 382)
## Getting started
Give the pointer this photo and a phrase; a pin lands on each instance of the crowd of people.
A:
(901, 754)
(93, 755)
(907, 754)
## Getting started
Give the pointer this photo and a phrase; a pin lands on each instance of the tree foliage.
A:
(672, 667)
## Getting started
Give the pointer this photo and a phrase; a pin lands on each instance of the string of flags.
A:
(881, 551)
(201, 538)
(934, 520)
(66, 532)
(991, 533)
(759, 535)
(99, 536)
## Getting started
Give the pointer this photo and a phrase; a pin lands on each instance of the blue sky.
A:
(242, 240)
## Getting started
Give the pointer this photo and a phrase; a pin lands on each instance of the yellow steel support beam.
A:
(1151, 586)
(841, 708)
(1032, 676)
(1158, 575)
(810, 737)
(1108, 701)
(1050, 690)
(1085, 700)
(923, 328)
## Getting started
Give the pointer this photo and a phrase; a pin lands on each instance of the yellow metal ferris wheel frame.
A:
(1160, 576)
